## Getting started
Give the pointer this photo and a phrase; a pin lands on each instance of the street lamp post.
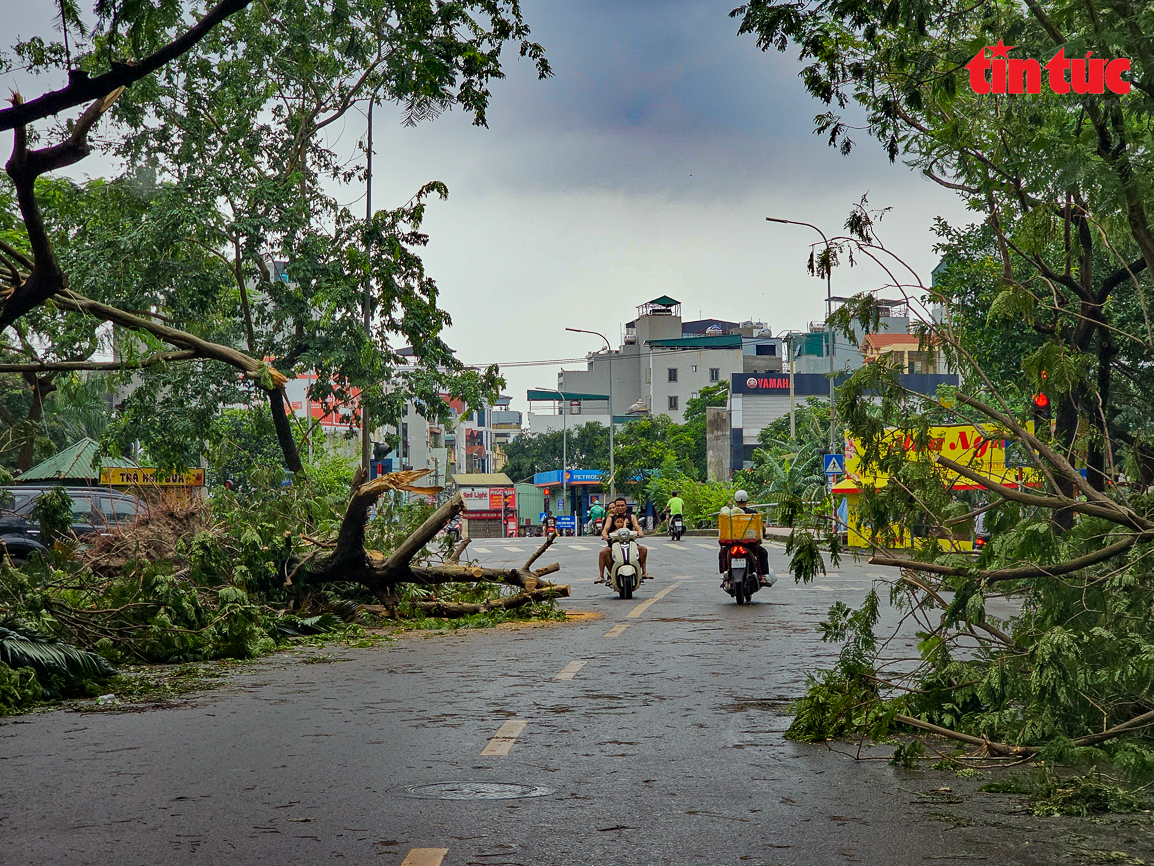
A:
(564, 446)
(609, 350)
(828, 326)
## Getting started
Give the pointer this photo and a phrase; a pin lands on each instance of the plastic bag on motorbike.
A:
(771, 577)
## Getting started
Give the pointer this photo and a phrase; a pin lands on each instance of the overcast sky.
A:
(646, 166)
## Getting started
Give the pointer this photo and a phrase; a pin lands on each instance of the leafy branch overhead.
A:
(222, 247)
(1046, 296)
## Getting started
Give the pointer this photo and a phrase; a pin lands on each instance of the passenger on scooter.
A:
(741, 503)
(620, 508)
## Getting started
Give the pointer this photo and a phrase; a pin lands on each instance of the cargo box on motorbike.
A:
(739, 526)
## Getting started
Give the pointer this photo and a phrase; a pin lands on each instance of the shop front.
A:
(490, 504)
(583, 486)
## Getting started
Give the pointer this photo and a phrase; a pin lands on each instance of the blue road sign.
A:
(835, 464)
(567, 521)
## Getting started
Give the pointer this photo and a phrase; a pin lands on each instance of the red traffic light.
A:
(1041, 401)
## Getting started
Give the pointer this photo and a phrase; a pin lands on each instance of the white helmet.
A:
(741, 496)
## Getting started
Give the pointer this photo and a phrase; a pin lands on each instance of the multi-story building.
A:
(661, 363)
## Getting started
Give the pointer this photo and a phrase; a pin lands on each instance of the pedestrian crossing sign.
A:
(835, 464)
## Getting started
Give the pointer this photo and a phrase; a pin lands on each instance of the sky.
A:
(645, 167)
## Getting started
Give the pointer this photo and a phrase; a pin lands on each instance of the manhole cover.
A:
(474, 791)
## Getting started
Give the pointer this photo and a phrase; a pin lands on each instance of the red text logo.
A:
(1000, 73)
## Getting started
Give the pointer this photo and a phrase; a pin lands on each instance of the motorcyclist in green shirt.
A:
(675, 506)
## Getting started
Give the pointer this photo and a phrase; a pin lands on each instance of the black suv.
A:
(95, 510)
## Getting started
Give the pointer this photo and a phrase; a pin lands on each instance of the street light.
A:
(828, 313)
(609, 350)
(564, 446)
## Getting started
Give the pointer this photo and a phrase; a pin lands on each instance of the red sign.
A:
(1000, 73)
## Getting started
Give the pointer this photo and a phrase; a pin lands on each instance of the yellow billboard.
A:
(120, 477)
(984, 453)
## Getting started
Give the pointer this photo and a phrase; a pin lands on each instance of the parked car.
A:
(95, 510)
(18, 538)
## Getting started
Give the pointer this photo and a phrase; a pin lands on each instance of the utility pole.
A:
(564, 448)
(609, 350)
(366, 305)
(788, 338)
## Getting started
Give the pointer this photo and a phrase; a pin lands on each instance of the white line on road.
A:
(617, 629)
(515, 549)
(641, 608)
(505, 737)
(570, 670)
(707, 546)
(425, 857)
(578, 547)
(481, 550)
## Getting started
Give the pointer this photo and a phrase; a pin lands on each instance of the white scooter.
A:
(625, 571)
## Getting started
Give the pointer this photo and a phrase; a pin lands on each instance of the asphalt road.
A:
(652, 734)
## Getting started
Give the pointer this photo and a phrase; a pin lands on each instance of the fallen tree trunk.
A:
(433, 607)
(350, 562)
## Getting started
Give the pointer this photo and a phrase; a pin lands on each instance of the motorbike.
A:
(676, 527)
(625, 572)
(596, 526)
(742, 578)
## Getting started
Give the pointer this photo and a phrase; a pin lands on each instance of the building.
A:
(661, 363)
(490, 504)
(911, 356)
(811, 347)
(755, 402)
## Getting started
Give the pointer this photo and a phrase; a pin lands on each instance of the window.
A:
(693, 369)
(673, 401)
(766, 349)
(672, 374)
(714, 374)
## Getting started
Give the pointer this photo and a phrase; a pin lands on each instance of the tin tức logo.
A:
(1000, 73)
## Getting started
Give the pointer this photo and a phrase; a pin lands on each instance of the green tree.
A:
(1048, 293)
(225, 179)
(530, 453)
(694, 422)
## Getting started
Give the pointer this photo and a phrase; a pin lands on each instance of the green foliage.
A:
(19, 689)
(52, 510)
(52, 660)
(1089, 794)
(587, 447)
(539, 612)
(833, 706)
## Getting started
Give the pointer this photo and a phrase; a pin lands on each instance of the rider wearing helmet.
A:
(741, 503)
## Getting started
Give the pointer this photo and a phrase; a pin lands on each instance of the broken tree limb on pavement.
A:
(350, 561)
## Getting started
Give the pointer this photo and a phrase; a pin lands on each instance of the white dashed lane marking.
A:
(505, 737)
(707, 546)
(481, 550)
(644, 606)
(570, 670)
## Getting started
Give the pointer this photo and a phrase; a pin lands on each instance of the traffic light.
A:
(1040, 411)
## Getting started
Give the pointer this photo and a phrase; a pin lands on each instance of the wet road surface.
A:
(650, 733)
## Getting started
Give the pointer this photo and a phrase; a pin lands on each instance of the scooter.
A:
(676, 527)
(624, 573)
(741, 578)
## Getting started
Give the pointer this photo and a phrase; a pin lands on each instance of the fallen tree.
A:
(350, 561)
